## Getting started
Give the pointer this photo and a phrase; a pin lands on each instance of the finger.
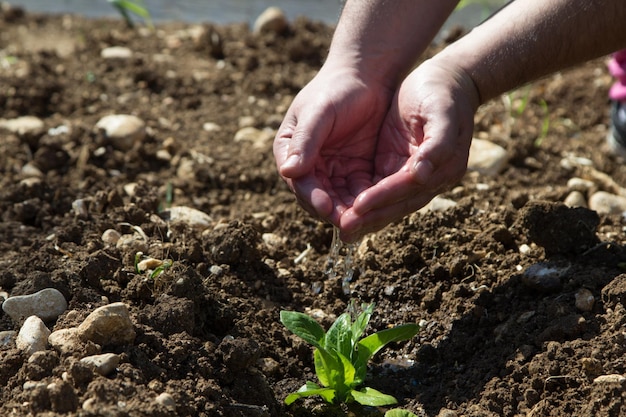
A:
(314, 196)
(354, 226)
(302, 139)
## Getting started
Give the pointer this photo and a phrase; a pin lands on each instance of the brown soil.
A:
(208, 333)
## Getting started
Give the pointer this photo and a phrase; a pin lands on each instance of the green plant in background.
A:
(341, 356)
(128, 7)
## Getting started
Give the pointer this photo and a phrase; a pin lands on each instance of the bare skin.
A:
(364, 144)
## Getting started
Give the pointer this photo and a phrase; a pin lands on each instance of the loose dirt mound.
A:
(496, 340)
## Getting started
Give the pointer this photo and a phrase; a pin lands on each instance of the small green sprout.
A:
(399, 412)
(136, 7)
(341, 356)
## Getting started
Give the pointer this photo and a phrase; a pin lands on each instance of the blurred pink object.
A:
(617, 68)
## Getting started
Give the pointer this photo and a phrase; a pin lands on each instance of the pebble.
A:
(272, 240)
(544, 276)
(584, 300)
(257, 137)
(47, 304)
(108, 325)
(116, 52)
(438, 204)
(607, 203)
(486, 157)
(30, 170)
(24, 126)
(188, 215)
(122, 130)
(66, 342)
(610, 379)
(580, 185)
(111, 236)
(575, 199)
(272, 19)
(33, 335)
(104, 364)
(166, 400)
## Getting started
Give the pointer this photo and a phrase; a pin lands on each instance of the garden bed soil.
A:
(493, 343)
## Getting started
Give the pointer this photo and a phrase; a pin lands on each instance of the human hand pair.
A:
(360, 158)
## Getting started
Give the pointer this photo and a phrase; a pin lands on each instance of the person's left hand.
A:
(422, 148)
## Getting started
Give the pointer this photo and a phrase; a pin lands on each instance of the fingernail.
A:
(291, 162)
(422, 171)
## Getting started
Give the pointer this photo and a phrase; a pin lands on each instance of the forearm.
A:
(532, 38)
(384, 38)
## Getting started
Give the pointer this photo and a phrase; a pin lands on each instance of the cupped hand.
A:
(325, 147)
(422, 149)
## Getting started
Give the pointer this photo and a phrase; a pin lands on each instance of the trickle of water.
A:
(340, 261)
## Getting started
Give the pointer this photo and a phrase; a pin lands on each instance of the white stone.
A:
(108, 325)
(188, 215)
(607, 203)
(272, 240)
(211, 127)
(29, 170)
(33, 335)
(575, 199)
(438, 204)
(258, 138)
(166, 400)
(122, 130)
(46, 304)
(111, 236)
(272, 19)
(486, 157)
(610, 379)
(579, 184)
(116, 52)
(23, 126)
(104, 363)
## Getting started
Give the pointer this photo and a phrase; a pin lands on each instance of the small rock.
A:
(166, 400)
(273, 19)
(610, 379)
(268, 366)
(103, 364)
(580, 185)
(486, 157)
(258, 138)
(544, 276)
(46, 304)
(211, 127)
(33, 335)
(607, 203)
(438, 204)
(272, 240)
(191, 216)
(67, 342)
(25, 126)
(116, 52)
(122, 130)
(111, 236)
(108, 325)
(584, 300)
(29, 170)
(575, 199)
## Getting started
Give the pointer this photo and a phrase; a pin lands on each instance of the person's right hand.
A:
(422, 147)
(325, 147)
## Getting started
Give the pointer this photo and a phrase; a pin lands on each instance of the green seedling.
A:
(136, 7)
(341, 356)
(399, 412)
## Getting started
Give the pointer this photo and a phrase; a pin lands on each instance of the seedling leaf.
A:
(303, 326)
(370, 396)
(398, 412)
(370, 345)
(310, 389)
(339, 336)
